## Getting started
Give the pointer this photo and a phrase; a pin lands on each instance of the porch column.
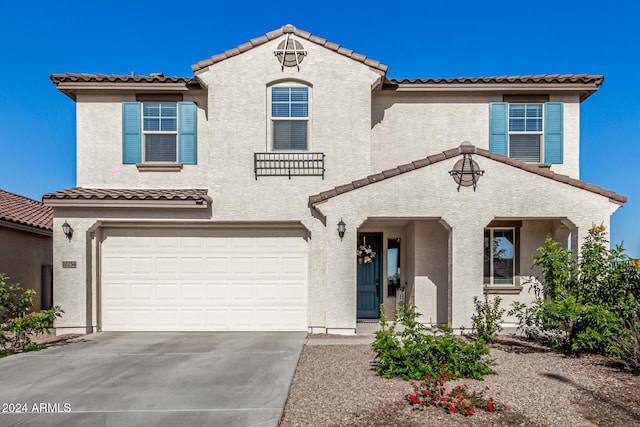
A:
(466, 237)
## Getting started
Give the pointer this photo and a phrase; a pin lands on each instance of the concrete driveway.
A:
(156, 379)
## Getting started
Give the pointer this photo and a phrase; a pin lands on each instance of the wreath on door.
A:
(365, 254)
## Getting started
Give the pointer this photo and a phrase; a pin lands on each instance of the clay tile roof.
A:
(531, 79)
(79, 193)
(301, 34)
(116, 78)
(467, 148)
(25, 211)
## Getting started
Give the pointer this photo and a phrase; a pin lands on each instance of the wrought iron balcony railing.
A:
(288, 164)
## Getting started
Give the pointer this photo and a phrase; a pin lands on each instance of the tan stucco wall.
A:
(99, 146)
(22, 255)
(407, 126)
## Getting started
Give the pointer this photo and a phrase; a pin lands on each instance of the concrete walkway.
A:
(152, 379)
(346, 340)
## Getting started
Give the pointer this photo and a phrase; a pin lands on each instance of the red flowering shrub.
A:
(458, 400)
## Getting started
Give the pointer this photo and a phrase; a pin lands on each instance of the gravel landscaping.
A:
(335, 385)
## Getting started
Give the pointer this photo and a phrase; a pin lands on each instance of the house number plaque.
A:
(69, 264)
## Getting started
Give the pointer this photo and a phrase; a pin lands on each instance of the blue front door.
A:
(370, 276)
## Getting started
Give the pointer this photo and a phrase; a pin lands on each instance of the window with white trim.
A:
(499, 256)
(160, 132)
(526, 132)
(289, 118)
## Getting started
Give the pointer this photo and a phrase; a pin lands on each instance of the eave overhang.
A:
(70, 83)
(583, 84)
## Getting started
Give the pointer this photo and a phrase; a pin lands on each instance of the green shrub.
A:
(417, 350)
(486, 320)
(14, 301)
(581, 305)
(626, 346)
(17, 324)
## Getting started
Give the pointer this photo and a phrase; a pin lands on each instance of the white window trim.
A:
(515, 281)
(541, 132)
(144, 134)
(271, 119)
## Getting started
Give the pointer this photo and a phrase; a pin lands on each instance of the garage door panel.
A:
(217, 265)
(218, 292)
(141, 265)
(294, 265)
(142, 292)
(141, 318)
(242, 265)
(193, 291)
(167, 265)
(242, 280)
(268, 266)
(217, 319)
(192, 265)
(268, 292)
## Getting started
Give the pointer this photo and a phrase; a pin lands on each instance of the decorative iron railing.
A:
(288, 164)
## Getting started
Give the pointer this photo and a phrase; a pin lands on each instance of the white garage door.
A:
(204, 280)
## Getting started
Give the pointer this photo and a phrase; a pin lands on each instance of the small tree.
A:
(487, 318)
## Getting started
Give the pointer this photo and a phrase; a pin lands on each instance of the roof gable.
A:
(22, 210)
(463, 149)
(289, 29)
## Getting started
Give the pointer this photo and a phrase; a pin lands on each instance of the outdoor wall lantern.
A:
(67, 230)
(342, 227)
(466, 172)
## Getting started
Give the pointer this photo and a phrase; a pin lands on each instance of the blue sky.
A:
(414, 38)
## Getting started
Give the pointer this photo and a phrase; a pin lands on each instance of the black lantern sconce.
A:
(67, 230)
(342, 227)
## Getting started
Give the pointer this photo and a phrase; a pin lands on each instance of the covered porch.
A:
(453, 241)
(414, 264)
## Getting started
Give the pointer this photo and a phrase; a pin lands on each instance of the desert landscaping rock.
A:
(335, 385)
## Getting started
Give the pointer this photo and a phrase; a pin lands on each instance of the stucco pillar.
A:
(581, 231)
(466, 263)
(317, 274)
(341, 276)
(70, 276)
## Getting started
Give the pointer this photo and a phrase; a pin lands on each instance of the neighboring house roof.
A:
(429, 160)
(25, 211)
(79, 194)
(289, 29)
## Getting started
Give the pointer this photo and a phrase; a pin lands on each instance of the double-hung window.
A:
(499, 256)
(159, 132)
(527, 130)
(289, 117)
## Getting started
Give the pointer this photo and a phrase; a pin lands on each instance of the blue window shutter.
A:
(498, 130)
(187, 133)
(553, 132)
(131, 135)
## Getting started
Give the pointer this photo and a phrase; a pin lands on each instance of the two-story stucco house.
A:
(237, 199)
